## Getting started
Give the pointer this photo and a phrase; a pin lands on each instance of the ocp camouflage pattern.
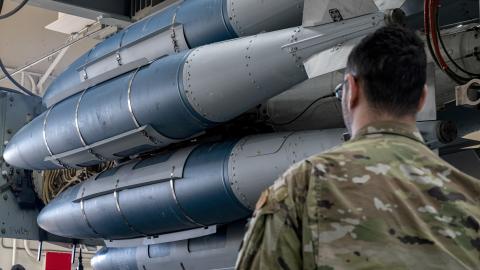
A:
(381, 201)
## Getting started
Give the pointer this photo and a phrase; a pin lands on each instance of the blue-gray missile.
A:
(186, 25)
(194, 187)
(174, 98)
(215, 251)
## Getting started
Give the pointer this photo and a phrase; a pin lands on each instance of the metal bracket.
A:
(164, 238)
(112, 148)
(461, 93)
(139, 176)
(88, 83)
(118, 57)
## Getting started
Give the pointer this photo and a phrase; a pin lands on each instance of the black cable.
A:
(80, 261)
(23, 89)
(442, 43)
(450, 73)
(303, 112)
(2, 66)
(427, 35)
(13, 11)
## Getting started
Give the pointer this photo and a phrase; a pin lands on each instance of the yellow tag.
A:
(262, 201)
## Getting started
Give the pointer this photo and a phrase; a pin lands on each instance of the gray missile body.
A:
(193, 187)
(215, 251)
(186, 25)
(174, 98)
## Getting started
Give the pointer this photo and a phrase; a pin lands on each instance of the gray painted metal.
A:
(104, 121)
(138, 176)
(253, 17)
(96, 80)
(326, 113)
(320, 38)
(452, 12)
(250, 155)
(329, 61)
(328, 11)
(15, 111)
(112, 148)
(258, 54)
(164, 238)
(184, 25)
(217, 187)
(256, 66)
(212, 252)
(179, 96)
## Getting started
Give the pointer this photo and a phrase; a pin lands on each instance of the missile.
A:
(215, 251)
(182, 26)
(174, 98)
(208, 184)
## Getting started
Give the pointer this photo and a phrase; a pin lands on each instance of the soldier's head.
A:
(385, 78)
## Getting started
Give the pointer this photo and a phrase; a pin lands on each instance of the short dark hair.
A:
(391, 65)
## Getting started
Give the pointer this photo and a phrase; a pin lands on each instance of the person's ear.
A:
(423, 99)
(353, 92)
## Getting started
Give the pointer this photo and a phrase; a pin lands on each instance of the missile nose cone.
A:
(47, 219)
(13, 157)
(50, 218)
(63, 216)
(27, 150)
(44, 218)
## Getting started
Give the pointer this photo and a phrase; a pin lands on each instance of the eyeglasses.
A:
(339, 90)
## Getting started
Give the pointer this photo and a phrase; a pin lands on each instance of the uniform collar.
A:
(390, 128)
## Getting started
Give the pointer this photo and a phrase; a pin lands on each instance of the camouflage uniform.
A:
(381, 201)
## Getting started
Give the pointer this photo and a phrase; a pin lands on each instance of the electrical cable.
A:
(23, 89)
(303, 112)
(432, 33)
(445, 50)
(2, 66)
(426, 22)
(13, 11)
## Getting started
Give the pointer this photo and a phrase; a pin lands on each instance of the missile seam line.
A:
(84, 214)
(172, 188)
(173, 34)
(77, 125)
(183, 69)
(44, 132)
(129, 99)
(117, 203)
(225, 18)
(79, 133)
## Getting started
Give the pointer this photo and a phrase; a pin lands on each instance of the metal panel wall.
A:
(15, 222)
